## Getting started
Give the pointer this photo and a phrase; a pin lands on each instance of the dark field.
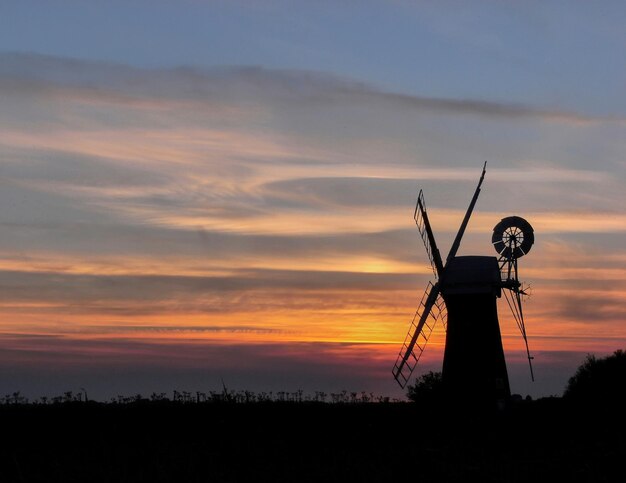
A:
(545, 440)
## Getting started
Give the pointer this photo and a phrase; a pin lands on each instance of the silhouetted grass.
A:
(211, 397)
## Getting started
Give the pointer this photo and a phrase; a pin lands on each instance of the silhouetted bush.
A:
(427, 388)
(600, 381)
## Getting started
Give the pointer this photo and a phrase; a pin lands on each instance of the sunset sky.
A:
(198, 190)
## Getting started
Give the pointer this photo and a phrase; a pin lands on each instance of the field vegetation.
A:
(234, 436)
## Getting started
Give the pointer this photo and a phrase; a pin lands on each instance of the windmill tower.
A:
(463, 297)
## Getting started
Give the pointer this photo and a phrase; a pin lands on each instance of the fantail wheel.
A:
(513, 237)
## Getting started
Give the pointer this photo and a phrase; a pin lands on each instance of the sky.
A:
(203, 191)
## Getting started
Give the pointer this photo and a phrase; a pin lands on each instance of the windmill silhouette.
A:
(463, 297)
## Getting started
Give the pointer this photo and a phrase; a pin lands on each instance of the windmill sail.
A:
(468, 214)
(430, 309)
(423, 225)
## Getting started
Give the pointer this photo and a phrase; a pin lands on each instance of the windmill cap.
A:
(472, 274)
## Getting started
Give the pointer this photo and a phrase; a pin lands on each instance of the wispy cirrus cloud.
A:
(37, 75)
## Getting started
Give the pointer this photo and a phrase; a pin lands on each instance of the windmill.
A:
(463, 297)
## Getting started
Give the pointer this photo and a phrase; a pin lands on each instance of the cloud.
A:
(593, 308)
(33, 74)
(301, 144)
(173, 214)
(187, 329)
(25, 286)
(69, 169)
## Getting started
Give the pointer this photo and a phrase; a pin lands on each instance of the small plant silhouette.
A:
(427, 388)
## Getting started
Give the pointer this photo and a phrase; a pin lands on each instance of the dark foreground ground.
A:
(545, 440)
